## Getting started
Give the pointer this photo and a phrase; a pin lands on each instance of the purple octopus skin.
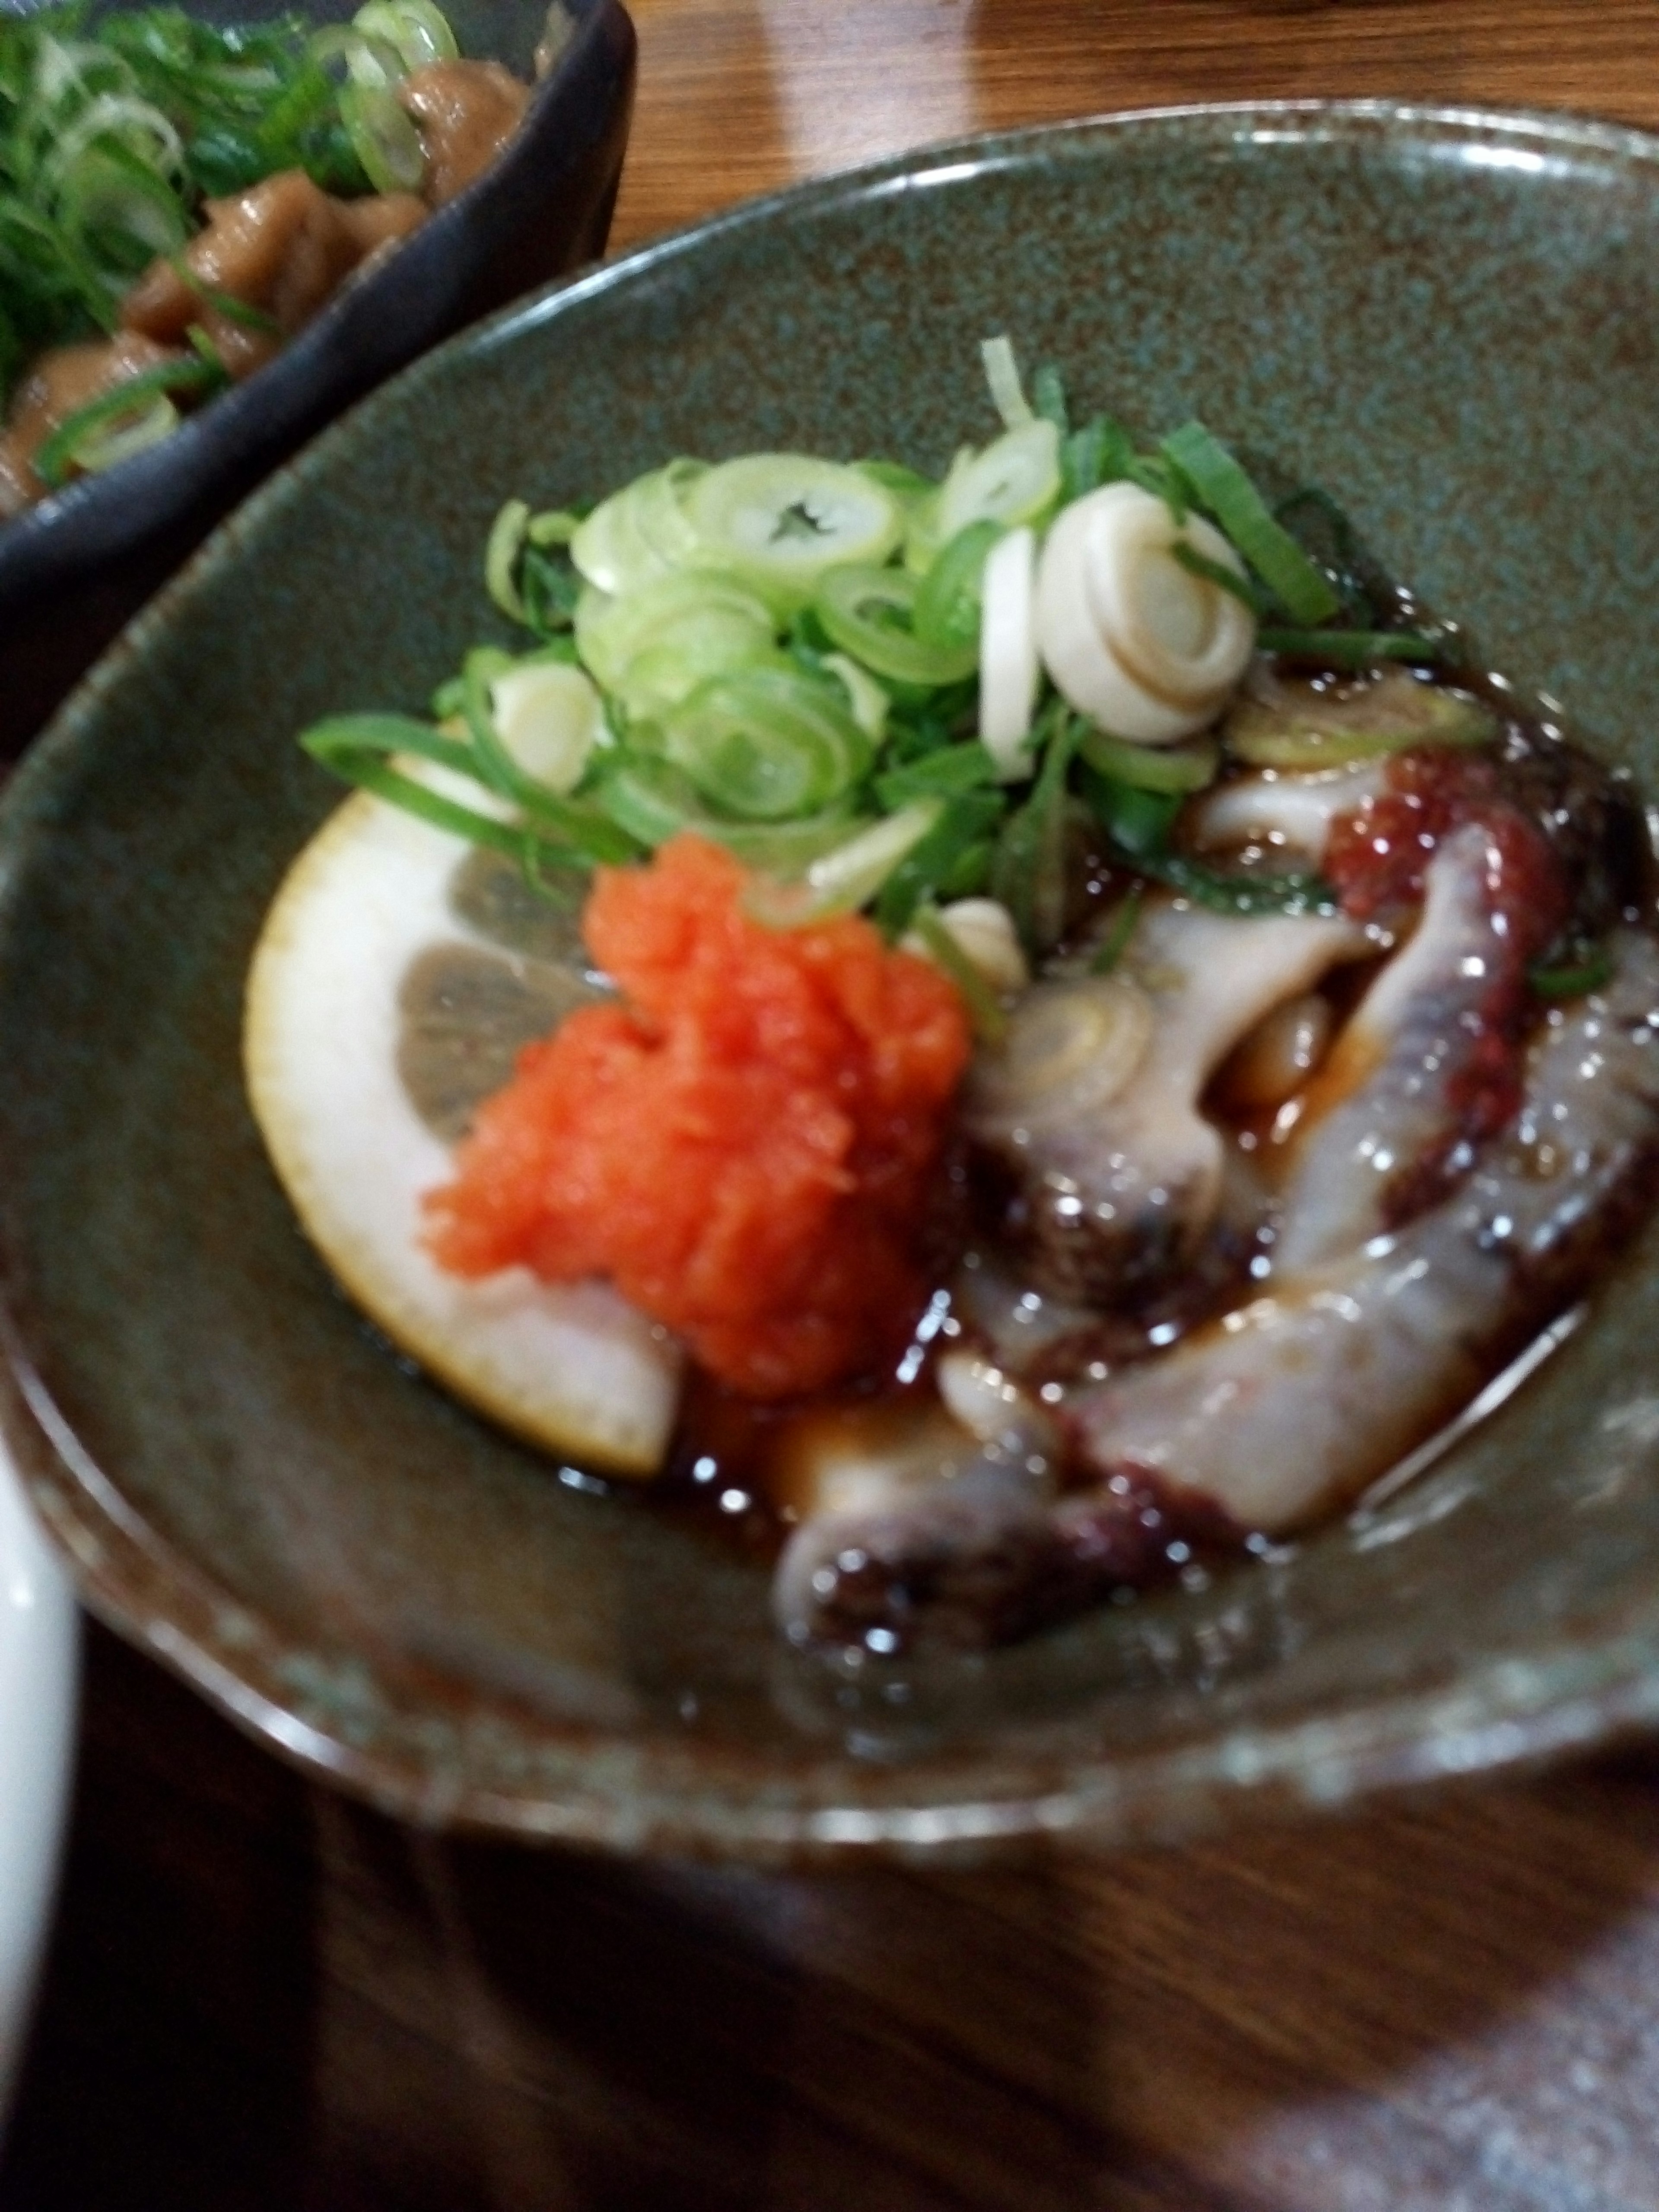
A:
(1105, 1207)
(1420, 1027)
(1298, 1401)
(987, 1557)
(1289, 1405)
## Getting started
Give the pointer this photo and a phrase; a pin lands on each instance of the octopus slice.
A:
(1425, 1059)
(1303, 1397)
(1293, 1403)
(1105, 1204)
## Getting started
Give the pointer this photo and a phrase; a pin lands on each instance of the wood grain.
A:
(261, 1996)
(737, 97)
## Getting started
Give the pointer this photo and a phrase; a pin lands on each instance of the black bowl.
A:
(74, 569)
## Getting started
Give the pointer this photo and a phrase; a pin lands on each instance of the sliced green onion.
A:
(355, 747)
(558, 526)
(1290, 723)
(1029, 875)
(1002, 374)
(1049, 398)
(1188, 766)
(548, 716)
(107, 449)
(869, 702)
(1116, 942)
(849, 875)
(591, 832)
(414, 28)
(1225, 489)
(780, 521)
(1101, 452)
(1016, 479)
(1354, 648)
(241, 312)
(611, 547)
(990, 1023)
(653, 801)
(1139, 821)
(907, 485)
(869, 612)
(61, 452)
(948, 597)
(383, 136)
(932, 861)
(1188, 557)
(1575, 979)
(945, 773)
(1296, 892)
(766, 743)
(658, 642)
(508, 535)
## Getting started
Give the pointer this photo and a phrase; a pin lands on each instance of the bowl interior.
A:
(1451, 322)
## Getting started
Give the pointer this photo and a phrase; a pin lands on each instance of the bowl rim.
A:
(649, 1796)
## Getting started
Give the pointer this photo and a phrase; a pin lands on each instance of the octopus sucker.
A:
(1108, 1196)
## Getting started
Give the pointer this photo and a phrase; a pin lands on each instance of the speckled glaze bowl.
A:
(1451, 320)
(76, 567)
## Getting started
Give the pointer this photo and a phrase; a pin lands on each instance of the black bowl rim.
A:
(97, 519)
(649, 1796)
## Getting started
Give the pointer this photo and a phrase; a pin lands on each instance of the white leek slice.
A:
(1138, 643)
(984, 932)
(610, 549)
(548, 716)
(1016, 479)
(1002, 374)
(1008, 668)
(847, 877)
(868, 701)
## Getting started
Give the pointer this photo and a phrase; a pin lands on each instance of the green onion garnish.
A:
(1216, 572)
(1293, 893)
(224, 303)
(1224, 489)
(1572, 979)
(1115, 942)
(64, 451)
(1354, 648)
(355, 747)
(990, 1023)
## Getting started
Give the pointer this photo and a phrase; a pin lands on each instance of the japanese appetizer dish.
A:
(1016, 1035)
(177, 201)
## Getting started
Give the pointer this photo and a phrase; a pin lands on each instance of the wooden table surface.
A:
(260, 1995)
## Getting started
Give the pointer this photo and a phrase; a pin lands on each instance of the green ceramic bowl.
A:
(1451, 320)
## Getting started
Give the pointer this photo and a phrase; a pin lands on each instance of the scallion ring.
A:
(766, 743)
(869, 612)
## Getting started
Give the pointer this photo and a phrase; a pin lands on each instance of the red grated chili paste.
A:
(744, 1146)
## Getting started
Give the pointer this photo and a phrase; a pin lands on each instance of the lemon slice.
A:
(573, 1368)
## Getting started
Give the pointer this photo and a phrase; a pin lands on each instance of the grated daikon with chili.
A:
(744, 1146)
